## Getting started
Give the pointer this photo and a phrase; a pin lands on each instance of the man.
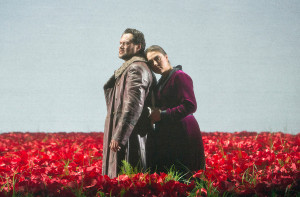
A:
(127, 94)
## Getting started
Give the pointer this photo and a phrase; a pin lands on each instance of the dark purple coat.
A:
(177, 138)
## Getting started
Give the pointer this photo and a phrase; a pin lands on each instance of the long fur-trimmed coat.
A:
(127, 94)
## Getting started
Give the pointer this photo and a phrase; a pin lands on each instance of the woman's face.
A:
(158, 62)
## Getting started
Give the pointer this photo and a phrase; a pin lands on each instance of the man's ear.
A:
(138, 47)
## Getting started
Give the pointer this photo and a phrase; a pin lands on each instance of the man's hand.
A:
(155, 115)
(114, 146)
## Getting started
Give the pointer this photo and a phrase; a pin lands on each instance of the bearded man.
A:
(128, 95)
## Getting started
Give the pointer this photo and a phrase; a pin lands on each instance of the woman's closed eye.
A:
(157, 59)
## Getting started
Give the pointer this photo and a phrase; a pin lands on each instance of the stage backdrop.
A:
(243, 57)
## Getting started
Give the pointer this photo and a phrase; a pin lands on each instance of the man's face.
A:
(127, 48)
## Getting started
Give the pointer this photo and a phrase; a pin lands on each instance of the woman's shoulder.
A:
(179, 74)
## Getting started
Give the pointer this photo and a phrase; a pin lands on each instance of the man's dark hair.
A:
(138, 38)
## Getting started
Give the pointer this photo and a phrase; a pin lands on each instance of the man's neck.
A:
(127, 58)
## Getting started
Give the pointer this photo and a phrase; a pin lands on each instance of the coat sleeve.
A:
(137, 83)
(185, 97)
(107, 89)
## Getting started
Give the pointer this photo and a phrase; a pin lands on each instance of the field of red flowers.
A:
(69, 164)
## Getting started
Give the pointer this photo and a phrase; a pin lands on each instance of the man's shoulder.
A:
(140, 68)
(139, 65)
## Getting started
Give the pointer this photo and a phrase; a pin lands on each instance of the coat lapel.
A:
(163, 80)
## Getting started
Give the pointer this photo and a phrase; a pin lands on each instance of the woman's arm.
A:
(186, 97)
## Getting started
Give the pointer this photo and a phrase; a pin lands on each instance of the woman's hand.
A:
(114, 146)
(155, 115)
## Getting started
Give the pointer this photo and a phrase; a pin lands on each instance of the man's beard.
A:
(126, 56)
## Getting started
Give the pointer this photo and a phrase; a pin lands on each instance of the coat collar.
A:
(163, 80)
(127, 63)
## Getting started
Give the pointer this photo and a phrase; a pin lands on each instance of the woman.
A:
(177, 140)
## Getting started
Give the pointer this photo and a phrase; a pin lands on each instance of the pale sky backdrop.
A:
(243, 57)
